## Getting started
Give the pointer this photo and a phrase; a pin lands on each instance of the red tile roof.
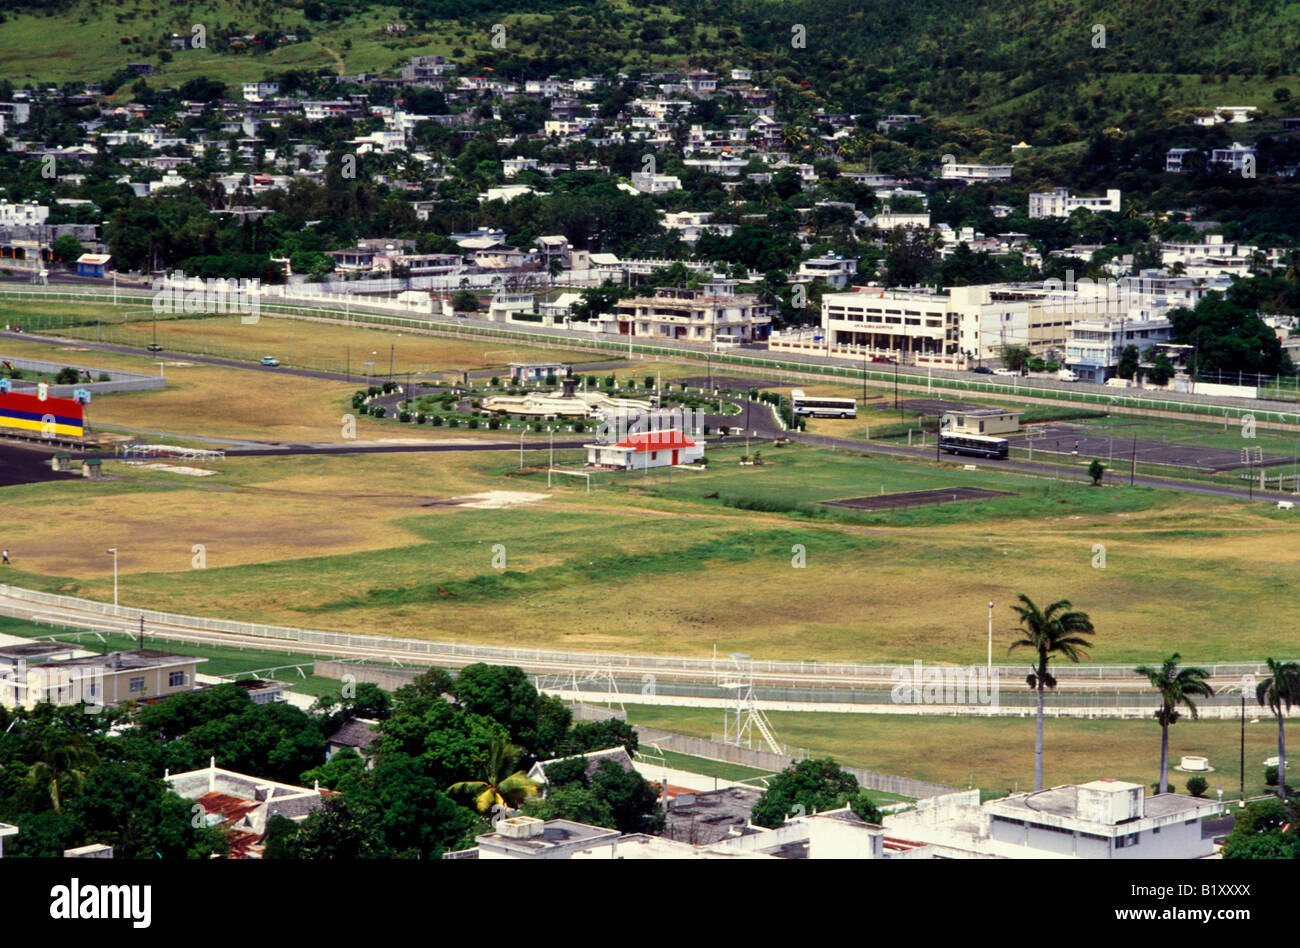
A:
(656, 441)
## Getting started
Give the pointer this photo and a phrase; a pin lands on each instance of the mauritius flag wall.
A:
(51, 417)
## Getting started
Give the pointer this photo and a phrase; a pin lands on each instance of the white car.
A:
(1004, 372)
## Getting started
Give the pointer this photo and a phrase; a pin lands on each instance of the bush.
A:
(1197, 786)
(1155, 787)
(550, 378)
(683, 386)
(67, 376)
(495, 381)
(437, 421)
(537, 426)
(389, 387)
(706, 429)
(473, 422)
(494, 424)
(591, 381)
(103, 377)
(609, 381)
(379, 411)
(404, 417)
(453, 422)
(372, 391)
(649, 382)
(1270, 775)
(579, 427)
(420, 418)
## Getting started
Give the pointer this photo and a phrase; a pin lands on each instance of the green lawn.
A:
(997, 754)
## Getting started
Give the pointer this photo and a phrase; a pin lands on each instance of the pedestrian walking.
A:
(4, 555)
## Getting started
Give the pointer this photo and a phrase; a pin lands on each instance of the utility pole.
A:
(392, 350)
(1243, 748)
(1133, 469)
(141, 645)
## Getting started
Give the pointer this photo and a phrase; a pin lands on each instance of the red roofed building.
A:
(646, 449)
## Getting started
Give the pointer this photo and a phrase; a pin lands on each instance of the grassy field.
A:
(997, 754)
(351, 543)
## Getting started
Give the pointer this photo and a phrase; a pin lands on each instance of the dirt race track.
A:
(919, 498)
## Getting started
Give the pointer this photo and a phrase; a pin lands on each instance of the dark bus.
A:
(977, 445)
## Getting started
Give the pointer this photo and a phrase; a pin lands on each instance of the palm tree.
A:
(501, 784)
(1056, 630)
(63, 760)
(1176, 686)
(1280, 689)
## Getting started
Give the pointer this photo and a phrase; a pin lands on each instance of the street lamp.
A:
(114, 552)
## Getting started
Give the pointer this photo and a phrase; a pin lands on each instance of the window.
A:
(1123, 842)
(176, 679)
(137, 685)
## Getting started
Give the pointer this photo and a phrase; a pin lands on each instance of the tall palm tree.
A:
(1056, 630)
(500, 784)
(1280, 689)
(62, 762)
(1176, 686)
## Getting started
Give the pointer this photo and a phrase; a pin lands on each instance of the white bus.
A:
(802, 404)
(977, 445)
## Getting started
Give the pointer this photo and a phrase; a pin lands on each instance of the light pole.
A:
(990, 666)
(114, 552)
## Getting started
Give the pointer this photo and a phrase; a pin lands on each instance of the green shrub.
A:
(591, 381)
(537, 426)
(1270, 775)
(473, 422)
(103, 377)
(380, 411)
(495, 381)
(437, 421)
(404, 417)
(494, 424)
(453, 422)
(579, 427)
(1197, 786)
(390, 387)
(420, 418)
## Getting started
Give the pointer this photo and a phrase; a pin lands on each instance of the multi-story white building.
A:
(968, 323)
(691, 224)
(257, 91)
(1233, 158)
(23, 215)
(1060, 203)
(1102, 819)
(956, 172)
(713, 313)
(1093, 346)
(834, 269)
(648, 183)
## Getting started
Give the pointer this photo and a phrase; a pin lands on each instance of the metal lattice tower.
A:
(739, 725)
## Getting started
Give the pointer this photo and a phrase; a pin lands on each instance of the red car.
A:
(884, 359)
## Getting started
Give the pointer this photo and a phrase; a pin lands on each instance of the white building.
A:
(23, 215)
(648, 183)
(257, 91)
(1060, 203)
(1094, 346)
(691, 224)
(646, 449)
(708, 314)
(835, 270)
(956, 172)
(1235, 157)
(1103, 819)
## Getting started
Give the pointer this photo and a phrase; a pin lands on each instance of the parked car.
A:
(982, 370)
(1005, 372)
(885, 359)
(270, 360)
(154, 347)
